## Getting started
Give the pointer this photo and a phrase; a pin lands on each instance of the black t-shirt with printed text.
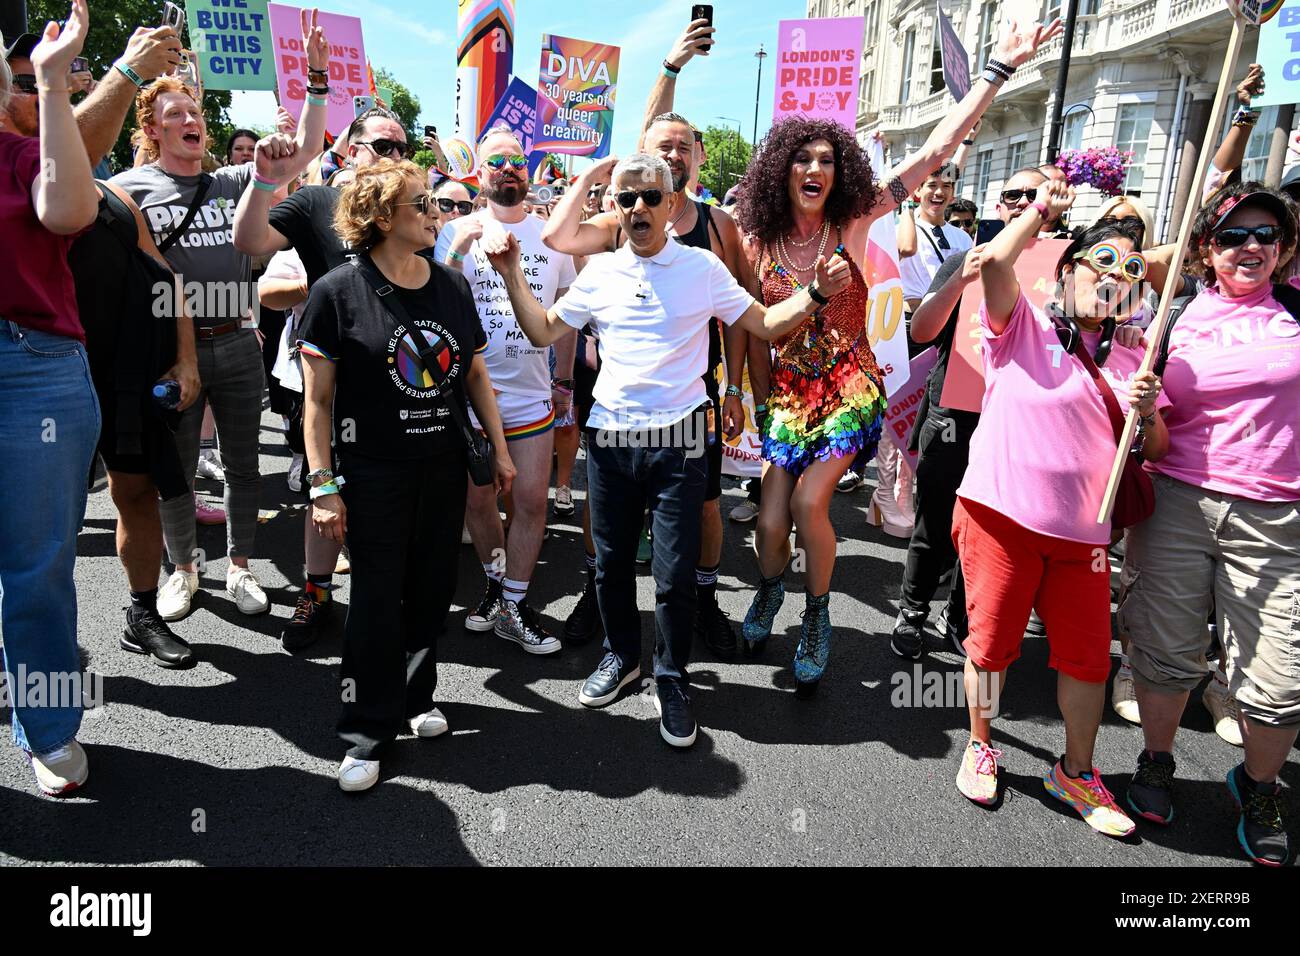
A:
(386, 403)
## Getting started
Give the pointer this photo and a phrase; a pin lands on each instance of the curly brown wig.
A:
(764, 207)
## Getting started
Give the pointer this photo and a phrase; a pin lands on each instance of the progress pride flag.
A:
(348, 76)
(817, 63)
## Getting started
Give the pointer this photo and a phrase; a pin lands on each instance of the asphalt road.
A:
(233, 762)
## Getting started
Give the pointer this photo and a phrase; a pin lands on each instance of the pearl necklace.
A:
(807, 242)
(788, 259)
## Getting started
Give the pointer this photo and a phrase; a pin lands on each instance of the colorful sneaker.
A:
(1151, 794)
(977, 779)
(305, 626)
(519, 623)
(1261, 832)
(1222, 706)
(484, 617)
(1090, 798)
(814, 650)
(762, 614)
(1122, 698)
(207, 514)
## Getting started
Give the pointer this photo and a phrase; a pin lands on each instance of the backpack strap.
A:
(200, 193)
(1162, 353)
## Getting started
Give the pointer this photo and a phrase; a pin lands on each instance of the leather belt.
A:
(212, 331)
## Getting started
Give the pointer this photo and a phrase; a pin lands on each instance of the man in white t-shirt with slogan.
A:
(521, 378)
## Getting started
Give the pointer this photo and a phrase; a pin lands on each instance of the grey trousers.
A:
(230, 368)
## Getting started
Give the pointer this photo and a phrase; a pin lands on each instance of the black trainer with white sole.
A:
(676, 721)
(606, 681)
(147, 633)
(484, 617)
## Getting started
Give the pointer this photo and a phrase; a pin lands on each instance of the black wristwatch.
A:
(816, 296)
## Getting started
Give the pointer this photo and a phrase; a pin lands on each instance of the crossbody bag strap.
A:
(395, 310)
(1107, 394)
(200, 193)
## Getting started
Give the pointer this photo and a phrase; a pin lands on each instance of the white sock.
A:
(514, 590)
(490, 569)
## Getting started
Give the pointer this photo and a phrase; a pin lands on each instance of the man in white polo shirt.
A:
(650, 304)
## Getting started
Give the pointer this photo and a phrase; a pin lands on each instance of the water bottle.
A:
(167, 394)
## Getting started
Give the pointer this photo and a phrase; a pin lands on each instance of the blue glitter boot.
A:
(762, 613)
(814, 646)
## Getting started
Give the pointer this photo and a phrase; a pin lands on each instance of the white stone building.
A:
(1142, 77)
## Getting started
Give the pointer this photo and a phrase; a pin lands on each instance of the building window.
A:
(936, 64)
(873, 24)
(1255, 162)
(982, 180)
(988, 34)
(909, 48)
(1015, 157)
(1051, 10)
(1072, 129)
(1132, 131)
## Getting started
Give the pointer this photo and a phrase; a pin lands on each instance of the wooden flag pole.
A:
(1155, 333)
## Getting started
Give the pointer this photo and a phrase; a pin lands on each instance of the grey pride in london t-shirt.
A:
(206, 254)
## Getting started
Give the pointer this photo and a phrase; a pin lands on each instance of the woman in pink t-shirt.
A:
(1025, 522)
(1226, 529)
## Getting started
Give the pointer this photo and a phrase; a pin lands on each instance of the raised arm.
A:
(63, 194)
(565, 230)
(906, 230)
(963, 151)
(1017, 45)
(696, 40)
(998, 262)
(542, 328)
(151, 52)
(1232, 150)
(932, 315)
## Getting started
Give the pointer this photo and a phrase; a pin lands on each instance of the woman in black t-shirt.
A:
(399, 497)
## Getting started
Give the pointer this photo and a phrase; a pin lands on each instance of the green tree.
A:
(728, 156)
(405, 104)
(111, 26)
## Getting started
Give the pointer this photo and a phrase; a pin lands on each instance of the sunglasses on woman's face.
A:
(1108, 259)
(463, 206)
(1012, 196)
(499, 161)
(422, 203)
(1126, 222)
(25, 82)
(387, 147)
(627, 198)
(1235, 236)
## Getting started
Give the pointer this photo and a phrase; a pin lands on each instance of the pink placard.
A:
(963, 386)
(817, 63)
(900, 416)
(348, 76)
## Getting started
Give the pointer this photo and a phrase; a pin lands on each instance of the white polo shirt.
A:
(918, 271)
(651, 319)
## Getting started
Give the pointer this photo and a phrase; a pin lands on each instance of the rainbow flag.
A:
(484, 61)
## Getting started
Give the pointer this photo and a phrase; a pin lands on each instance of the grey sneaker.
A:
(519, 623)
(60, 770)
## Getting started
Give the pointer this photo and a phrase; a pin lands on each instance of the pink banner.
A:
(900, 416)
(817, 64)
(348, 76)
(963, 386)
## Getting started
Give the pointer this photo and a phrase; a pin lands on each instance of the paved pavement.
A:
(233, 762)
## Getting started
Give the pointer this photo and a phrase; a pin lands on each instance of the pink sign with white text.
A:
(348, 76)
(817, 63)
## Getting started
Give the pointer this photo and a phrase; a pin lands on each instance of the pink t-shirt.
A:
(1233, 382)
(1043, 449)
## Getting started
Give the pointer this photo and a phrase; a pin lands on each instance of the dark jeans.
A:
(403, 537)
(669, 476)
(944, 448)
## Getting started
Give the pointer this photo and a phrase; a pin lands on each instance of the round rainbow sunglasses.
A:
(1108, 259)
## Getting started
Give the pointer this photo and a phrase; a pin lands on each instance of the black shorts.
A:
(106, 392)
(584, 383)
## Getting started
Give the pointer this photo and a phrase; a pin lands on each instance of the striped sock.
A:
(319, 587)
(490, 569)
(514, 590)
(706, 586)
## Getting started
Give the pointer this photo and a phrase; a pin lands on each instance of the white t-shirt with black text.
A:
(917, 271)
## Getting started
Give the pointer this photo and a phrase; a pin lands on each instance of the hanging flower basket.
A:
(1100, 166)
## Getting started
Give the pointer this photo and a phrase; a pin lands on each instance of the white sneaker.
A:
(209, 467)
(432, 724)
(60, 770)
(1223, 708)
(464, 535)
(177, 594)
(563, 500)
(1122, 697)
(294, 478)
(243, 589)
(356, 775)
(744, 512)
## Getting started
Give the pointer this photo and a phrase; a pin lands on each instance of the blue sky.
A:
(418, 46)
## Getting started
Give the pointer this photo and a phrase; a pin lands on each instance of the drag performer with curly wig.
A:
(810, 193)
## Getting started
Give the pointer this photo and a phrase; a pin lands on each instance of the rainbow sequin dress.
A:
(828, 394)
